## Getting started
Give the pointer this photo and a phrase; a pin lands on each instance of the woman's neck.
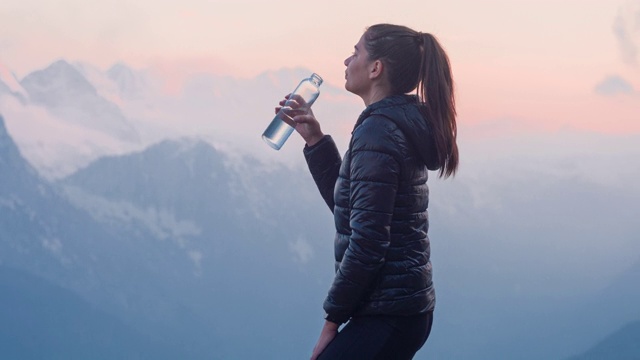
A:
(377, 92)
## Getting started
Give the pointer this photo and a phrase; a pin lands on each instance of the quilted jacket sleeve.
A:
(324, 163)
(374, 177)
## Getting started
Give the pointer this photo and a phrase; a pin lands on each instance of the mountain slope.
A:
(226, 216)
(623, 344)
(42, 320)
(125, 272)
(15, 172)
(175, 243)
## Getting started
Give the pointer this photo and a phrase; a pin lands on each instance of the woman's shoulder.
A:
(378, 133)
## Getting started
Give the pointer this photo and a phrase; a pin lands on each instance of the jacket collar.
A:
(389, 101)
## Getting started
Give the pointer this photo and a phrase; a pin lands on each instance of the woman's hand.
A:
(303, 119)
(329, 331)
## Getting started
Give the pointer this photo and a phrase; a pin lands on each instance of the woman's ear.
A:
(375, 69)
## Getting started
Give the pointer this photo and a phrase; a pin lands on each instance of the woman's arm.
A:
(374, 177)
(324, 163)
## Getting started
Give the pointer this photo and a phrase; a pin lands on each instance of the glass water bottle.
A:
(282, 124)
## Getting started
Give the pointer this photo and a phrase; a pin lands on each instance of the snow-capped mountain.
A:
(60, 122)
(69, 114)
(82, 266)
(65, 92)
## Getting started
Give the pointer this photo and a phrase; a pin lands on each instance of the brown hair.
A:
(414, 60)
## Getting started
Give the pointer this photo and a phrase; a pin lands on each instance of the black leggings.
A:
(380, 337)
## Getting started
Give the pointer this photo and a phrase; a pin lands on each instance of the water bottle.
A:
(282, 124)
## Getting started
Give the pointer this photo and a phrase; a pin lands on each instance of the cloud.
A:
(196, 258)
(54, 246)
(302, 250)
(626, 28)
(614, 85)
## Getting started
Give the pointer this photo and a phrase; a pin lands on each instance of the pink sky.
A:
(527, 64)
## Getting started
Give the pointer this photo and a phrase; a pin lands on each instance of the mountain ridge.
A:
(84, 112)
(61, 88)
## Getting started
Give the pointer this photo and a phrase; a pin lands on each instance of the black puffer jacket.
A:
(379, 198)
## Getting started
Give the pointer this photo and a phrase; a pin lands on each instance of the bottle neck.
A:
(316, 79)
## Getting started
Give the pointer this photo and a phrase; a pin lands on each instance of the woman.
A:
(383, 287)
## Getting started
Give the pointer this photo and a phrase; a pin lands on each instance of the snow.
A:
(54, 147)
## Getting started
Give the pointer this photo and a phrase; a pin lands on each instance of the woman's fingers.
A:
(292, 106)
(304, 119)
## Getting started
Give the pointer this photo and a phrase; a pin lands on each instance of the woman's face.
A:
(357, 72)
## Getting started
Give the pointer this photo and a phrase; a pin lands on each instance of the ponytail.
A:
(436, 91)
